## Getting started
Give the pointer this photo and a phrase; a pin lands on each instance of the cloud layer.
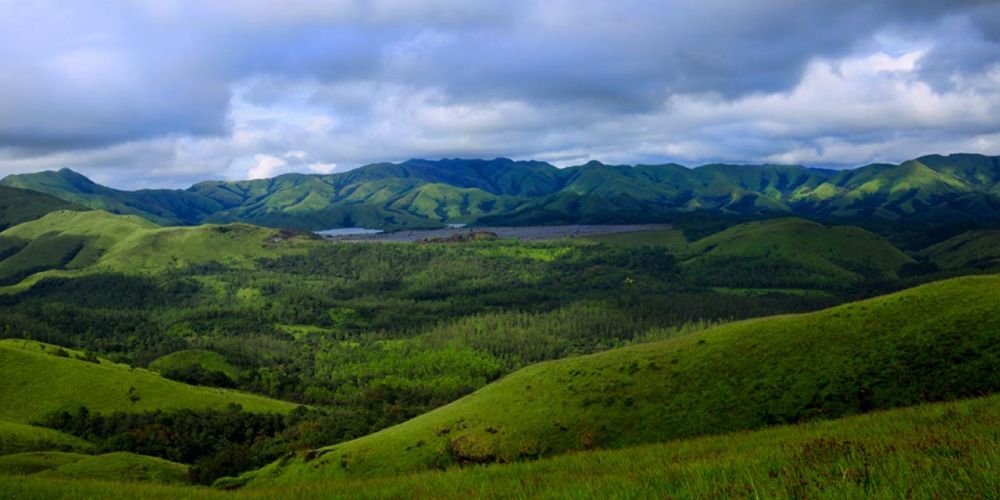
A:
(167, 92)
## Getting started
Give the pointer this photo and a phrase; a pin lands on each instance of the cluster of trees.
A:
(216, 443)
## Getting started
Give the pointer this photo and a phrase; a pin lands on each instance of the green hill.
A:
(36, 461)
(942, 450)
(977, 249)
(207, 360)
(101, 241)
(790, 247)
(63, 240)
(38, 382)
(21, 205)
(162, 206)
(933, 342)
(878, 455)
(18, 438)
(422, 193)
(120, 466)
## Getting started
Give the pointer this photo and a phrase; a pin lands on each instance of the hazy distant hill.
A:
(422, 193)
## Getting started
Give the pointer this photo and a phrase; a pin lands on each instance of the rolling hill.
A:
(100, 241)
(933, 450)
(119, 466)
(791, 247)
(422, 193)
(977, 249)
(37, 382)
(21, 205)
(19, 438)
(934, 342)
(36, 461)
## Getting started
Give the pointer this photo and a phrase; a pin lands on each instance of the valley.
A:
(187, 359)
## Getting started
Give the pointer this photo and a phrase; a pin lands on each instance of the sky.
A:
(165, 93)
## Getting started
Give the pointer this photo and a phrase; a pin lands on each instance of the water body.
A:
(348, 231)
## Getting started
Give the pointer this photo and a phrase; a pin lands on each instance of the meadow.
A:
(945, 450)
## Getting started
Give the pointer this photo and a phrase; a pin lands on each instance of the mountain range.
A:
(425, 193)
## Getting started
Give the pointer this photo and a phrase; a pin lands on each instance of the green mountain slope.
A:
(38, 382)
(19, 438)
(120, 466)
(36, 461)
(162, 206)
(21, 205)
(789, 247)
(938, 341)
(422, 193)
(942, 450)
(100, 241)
(977, 249)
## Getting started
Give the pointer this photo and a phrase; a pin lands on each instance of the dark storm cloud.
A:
(228, 82)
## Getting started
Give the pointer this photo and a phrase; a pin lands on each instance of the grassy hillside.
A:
(38, 382)
(120, 466)
(207, 360)
(18, 438)
(836, 254)
(105, 242)
(933, 342)
(21, 205)
(978, 249)
(162, 206)
(36, 461)
(944, 450)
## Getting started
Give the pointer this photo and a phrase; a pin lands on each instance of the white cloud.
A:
(265, 166)
(322, 168)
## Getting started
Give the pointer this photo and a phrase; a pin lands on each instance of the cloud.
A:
(172, 91)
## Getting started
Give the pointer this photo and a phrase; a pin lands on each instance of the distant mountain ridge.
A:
(429, 193)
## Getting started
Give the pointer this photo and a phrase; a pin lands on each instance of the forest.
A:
(366, 336)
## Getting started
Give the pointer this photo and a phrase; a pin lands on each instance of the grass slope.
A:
(21, 205)
(977, 249)
(37, 383)
(63, 240)
(121, 466)
(208, 360)
(18, 438)
(943, 450)
(932, 342)
(839, 252)
(104, 242)
(36, 461)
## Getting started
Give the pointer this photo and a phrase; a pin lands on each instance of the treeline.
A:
(215, 443)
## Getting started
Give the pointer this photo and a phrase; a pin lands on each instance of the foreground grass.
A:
(945, 450)
(935, 342)
(38, 382)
